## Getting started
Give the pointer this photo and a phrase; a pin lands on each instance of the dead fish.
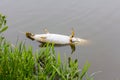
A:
(57, 39)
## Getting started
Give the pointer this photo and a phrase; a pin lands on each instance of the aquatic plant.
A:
(21, 63)
(3, 26)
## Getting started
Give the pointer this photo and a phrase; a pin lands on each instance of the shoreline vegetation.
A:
(21, 63)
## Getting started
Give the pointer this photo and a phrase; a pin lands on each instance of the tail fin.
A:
(30, 35)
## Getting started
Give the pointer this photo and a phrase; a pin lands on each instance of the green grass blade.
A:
(84, 70)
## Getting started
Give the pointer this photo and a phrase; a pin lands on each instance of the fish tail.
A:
(30, 35)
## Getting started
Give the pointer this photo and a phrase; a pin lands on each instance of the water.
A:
(95, 20)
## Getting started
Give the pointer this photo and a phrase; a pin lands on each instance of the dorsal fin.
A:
(46, 31)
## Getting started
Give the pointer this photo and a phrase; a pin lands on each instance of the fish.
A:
(57, 39)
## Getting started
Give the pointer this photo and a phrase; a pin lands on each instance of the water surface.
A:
(95, 20)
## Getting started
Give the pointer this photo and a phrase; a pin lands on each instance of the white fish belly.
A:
(58, 39)
(54, 38)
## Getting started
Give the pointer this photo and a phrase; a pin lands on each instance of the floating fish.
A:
(57, 39)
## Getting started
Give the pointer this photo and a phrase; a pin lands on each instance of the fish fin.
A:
(72, 48)
(42, 45)
(30, 35)
(42, 38)
(46, 31)
(31, 38)
(72, 34)
(45, 44)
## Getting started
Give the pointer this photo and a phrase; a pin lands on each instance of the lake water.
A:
(95, 20)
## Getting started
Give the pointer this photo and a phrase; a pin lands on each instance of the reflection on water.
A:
(94, 20)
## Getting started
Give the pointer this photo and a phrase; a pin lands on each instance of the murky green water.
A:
(95, 20)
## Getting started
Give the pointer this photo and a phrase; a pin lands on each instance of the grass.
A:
(21, 63)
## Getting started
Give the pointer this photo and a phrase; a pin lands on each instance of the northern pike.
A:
(56, 39)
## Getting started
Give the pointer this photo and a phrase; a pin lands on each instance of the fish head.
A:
(79, 41)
